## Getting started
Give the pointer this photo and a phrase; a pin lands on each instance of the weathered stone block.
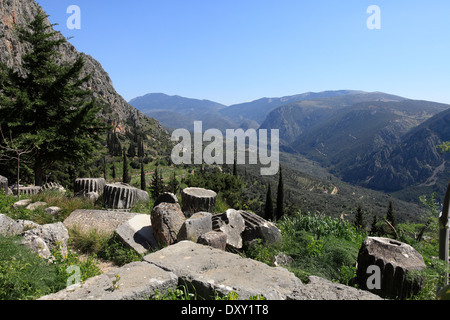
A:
(52, 210)
(4, 184)
(30, 190)
(167, 220)
(85, 185)
(142, 196)
(35, 205)
(54, 235)
(9, 227)
(215, 239)
(394, 260)
(232, 224)
(134, 281)
(102, 221)
(200, 223)
(119, 196)
(198, 200)
(53, 186)
(138, 234)
(257, 227)
(22, 203)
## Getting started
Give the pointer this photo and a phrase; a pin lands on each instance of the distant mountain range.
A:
(179, 112)
(372, 139)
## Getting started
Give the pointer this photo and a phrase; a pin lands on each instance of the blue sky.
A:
(232, 51)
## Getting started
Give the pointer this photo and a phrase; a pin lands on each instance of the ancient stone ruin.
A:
(394, 260)
(119, 196)
(84, 186)
(197, 247)
(197, 200)
(4, 185)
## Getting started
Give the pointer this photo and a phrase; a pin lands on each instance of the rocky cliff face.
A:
(116, 110)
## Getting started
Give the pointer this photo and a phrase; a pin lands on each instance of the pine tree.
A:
(125, 177)
(268, 209)
(143, 186)
(280, 197)
(43, 104)
(390, 216)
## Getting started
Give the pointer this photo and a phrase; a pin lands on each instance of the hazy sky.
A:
(233, 51)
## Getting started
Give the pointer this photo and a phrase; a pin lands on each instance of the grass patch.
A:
(23, 274)
(26, 276)
(104, 246)
(322, 246)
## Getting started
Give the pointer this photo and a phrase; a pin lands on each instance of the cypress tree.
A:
(125, 176)
(141, 150)
(390, 216)
(373, 228)
(117, 146)
(43, 104)
(143, 186)
(131, 150)
(280, 197)
(173, 184)
(268, 209)
(359, 220)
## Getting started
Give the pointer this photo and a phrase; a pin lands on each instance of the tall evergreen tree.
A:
(125, 176)
(359, 220)
(44, 105)
(143, 185)
(390, 216)
(280, 197)
(268, 209)
(374, 231)
(157, 184)
(173, 185)
(131, 150)
(116, 146)
(140, 145)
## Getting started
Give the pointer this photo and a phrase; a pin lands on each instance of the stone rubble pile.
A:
(195, 247)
